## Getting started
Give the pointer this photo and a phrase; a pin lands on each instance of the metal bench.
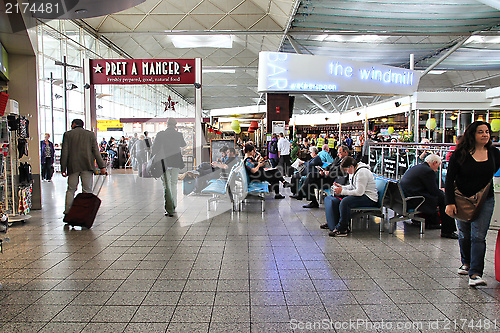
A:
(220, 188)
(246, 188)
(378, 210)
(398, 203)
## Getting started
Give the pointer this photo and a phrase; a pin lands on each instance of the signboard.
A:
(142, 71)
(216, 145)
(109, 125)
(279, 127)
(4, 63)
(303, 73)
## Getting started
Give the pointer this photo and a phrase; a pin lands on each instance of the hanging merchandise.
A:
(4, 132)
(22, 147)
(24, 124)
(25, 176)
(12, 122)
(25, 199)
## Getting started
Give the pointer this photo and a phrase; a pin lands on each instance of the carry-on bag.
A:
(497, 258)
(188, 185)
(84, 208)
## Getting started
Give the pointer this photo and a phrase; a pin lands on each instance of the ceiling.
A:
(381, 32)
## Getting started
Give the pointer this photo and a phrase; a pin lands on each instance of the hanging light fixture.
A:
(384, 120)
(453, 117)
(254, 125)
(480, 118)
(495, 125)
(431, 123)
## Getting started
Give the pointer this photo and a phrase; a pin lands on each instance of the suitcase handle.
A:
(99, 177)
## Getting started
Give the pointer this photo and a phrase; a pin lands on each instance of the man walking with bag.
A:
(167, 147)
(78, 156)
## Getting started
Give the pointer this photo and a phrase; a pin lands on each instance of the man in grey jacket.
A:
(78, 156)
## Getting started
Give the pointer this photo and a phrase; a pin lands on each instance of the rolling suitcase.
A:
(188, 185)
(497, 258)
(84, 208)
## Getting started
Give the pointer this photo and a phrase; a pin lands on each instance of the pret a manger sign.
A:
(142, 71)
(300, 73)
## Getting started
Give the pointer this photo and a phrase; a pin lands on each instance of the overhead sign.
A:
(142, 71)
(109, 125)
(301, 73)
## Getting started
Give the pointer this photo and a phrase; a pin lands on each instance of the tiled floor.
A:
(138, 271)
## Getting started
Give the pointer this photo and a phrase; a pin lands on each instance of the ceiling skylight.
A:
(215, 41)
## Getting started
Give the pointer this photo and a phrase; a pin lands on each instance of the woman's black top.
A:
(470, 176)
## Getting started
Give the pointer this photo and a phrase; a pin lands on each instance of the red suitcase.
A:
(84, 208)
(497, 258)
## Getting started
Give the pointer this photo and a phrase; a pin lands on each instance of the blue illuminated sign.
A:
(287, 72)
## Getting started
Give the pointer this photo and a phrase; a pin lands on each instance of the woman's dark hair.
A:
(347, 162)
(468, 142)
(249, 148)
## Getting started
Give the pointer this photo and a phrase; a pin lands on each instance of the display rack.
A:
(13, 190)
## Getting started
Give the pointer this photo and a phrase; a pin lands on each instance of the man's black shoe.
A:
(296, 196)
(311, 205)
(452, 235)
(279, 196)
(324, 226)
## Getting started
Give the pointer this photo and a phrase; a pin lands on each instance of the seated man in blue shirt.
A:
(324, 154)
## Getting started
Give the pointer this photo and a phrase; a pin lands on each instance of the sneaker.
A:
(312, 204)
(463, 270)
(279, 196)
(476, 280)
(337, 233)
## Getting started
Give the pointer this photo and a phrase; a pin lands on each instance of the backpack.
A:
(273, 147)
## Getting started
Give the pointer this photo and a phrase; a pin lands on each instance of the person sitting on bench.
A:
(255, 170)
(361, 192)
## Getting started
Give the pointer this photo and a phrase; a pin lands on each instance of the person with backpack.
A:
(272, 149)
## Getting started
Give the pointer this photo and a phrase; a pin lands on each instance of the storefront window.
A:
(57, 39)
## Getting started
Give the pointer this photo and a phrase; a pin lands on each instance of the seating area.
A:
(391, 197)
(236, 188)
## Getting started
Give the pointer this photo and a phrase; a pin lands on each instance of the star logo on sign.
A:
(187, 68)
(98, 69)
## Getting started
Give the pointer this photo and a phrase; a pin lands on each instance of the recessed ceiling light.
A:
(80, 11)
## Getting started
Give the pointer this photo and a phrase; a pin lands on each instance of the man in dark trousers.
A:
(421, 180)
(323, 179)
(78, 156)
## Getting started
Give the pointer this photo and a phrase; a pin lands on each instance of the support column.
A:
(278, 109)
(23, 88)
(199, 141)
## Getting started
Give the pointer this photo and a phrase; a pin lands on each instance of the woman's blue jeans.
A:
(472, 238)
(338, 212)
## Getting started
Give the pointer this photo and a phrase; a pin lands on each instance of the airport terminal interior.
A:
(235, 258)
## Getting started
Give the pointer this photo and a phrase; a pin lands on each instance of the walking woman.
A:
(167, 146)
(47, 155)
(471, 168)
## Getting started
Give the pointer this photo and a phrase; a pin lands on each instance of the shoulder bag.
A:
(468, 208)
(155, 168)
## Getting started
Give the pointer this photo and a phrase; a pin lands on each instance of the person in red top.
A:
(458, 139)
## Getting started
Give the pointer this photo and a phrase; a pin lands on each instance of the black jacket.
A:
(422, 180)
